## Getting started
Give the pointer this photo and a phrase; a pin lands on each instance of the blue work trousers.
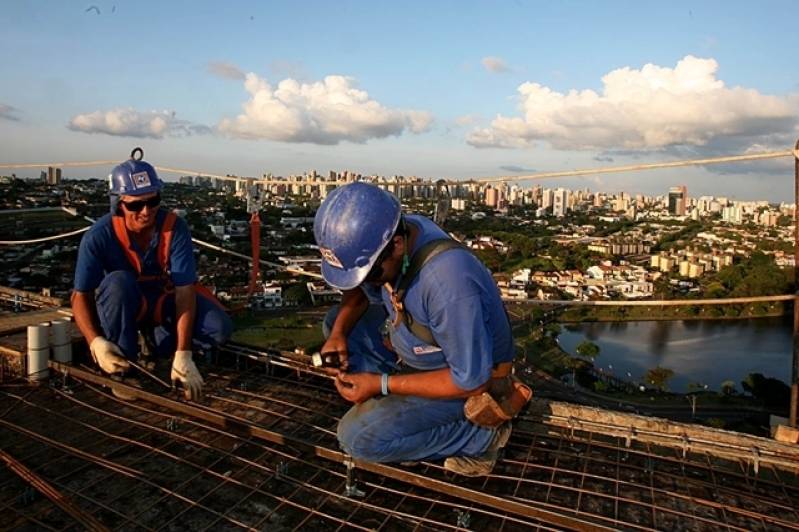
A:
(397, 428)
(120, 299)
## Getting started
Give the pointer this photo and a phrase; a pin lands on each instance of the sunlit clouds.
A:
(323, 112)
(128, 122)
(642, 109)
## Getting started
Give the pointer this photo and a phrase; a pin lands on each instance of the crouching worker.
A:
(423, 368)
(135, 272)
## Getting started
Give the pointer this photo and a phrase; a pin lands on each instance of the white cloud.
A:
(323, 112)
(497, 65)
(225, 70)
(8, 112)
(647, 109)
(128, 122)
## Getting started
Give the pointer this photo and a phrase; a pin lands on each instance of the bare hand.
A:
(338, 343)
(358, 387)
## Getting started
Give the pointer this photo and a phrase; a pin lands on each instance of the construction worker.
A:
(409, 392)
(136, 271)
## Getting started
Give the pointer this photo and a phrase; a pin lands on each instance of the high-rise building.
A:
(492, 197)
(678, 197)
(53, 175)
(547, 196)
(560, 202)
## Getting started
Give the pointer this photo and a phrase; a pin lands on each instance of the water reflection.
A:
(706, 351)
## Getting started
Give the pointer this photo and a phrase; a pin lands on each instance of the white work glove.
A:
(108, 356)
(184, 370)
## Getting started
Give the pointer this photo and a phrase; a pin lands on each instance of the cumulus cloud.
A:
(653, 108)
(225, 70)
(128, 122)
(497, 65)
(323, 112)
(8, 113)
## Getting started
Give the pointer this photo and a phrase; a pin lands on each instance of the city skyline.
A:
(444, 91)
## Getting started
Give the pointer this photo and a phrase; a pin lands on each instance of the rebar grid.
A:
(700, 473)
(417, 499)
(742, 507)
(394, 517)
(665, 505)
(583, 473)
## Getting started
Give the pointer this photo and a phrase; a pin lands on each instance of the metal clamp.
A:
(282, 469)
(628, 439)
(756, 459)
(351, 487)
(464, 519)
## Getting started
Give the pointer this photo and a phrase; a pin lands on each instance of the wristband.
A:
(384, 383)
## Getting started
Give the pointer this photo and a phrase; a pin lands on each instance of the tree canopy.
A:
(659, 377)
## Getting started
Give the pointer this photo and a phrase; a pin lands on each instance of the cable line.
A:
(62, 164)
(647, 166)
(528, 177)
(249, 259)
(43, 239)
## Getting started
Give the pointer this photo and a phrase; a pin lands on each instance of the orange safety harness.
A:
(162, 256)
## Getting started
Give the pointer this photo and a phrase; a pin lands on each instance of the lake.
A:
(705, 351)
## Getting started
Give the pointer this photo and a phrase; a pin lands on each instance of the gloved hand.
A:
(108, 356)
(184, 370)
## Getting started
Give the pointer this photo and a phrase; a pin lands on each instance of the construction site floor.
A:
(260, 453)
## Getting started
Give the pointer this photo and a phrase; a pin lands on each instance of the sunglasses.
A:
(138, 205)
(376, 273)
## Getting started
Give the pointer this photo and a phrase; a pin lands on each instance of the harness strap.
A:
(165, 240)
(121, 232)
(421, 256)
(165, 233)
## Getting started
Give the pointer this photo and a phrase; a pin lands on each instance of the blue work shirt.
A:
(455, 296)
(101, 253)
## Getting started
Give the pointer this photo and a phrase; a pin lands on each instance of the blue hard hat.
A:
(351, 227)
(133, 177)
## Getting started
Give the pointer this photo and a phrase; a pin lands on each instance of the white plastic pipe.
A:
(61, 340)
(38, 351)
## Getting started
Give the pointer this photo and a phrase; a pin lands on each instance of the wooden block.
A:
(786, 434)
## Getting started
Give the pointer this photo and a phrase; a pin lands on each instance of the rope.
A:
(262, 261)
(202, 174)
(62, 164)
(649, 166)
(540, 175)
(44, 239)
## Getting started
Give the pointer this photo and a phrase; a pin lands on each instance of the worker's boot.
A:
(480, 466)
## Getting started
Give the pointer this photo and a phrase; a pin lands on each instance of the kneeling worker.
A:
(135, 271)
(447, 336)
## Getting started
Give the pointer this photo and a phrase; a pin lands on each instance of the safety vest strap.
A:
(162, 253)
(121, 233)
(165, 240)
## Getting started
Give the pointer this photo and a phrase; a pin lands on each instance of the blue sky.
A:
(435, 89)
